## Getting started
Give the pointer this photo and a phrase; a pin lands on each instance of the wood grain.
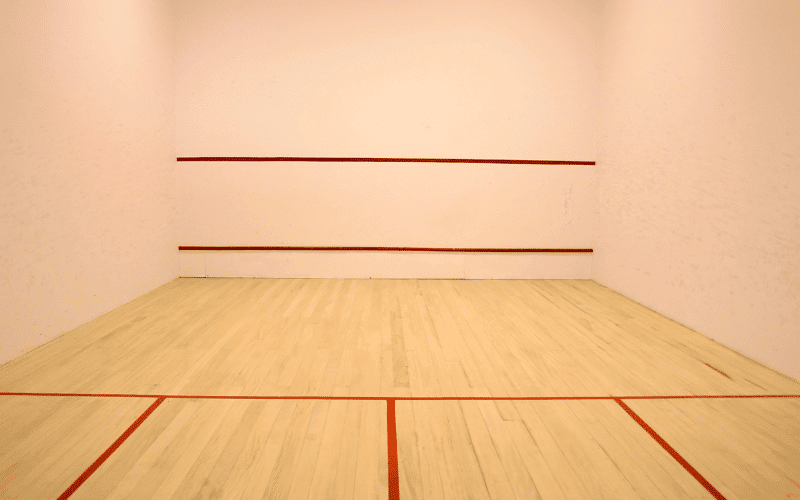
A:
(310, 338)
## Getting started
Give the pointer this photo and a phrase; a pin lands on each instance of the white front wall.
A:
(478, 79)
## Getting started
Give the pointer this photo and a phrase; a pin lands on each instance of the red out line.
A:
(418, 279)
(382, 160)
(669, 449)
(392, 249)
(97, 463)
(719, 371)
(411, 398)
(391, 434)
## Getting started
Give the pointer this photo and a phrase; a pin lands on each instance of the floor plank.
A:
(560, 449)
(247, 449)
(286, 337)
(47, 442)
(316, 338)
(747, 448)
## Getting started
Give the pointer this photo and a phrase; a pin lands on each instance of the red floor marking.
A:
(755, 384)
(71, 394)
(790, 479)
(719, 371)
(6, 477)
(719, 396)
(691, 470)
(391, 426)
(391, 432)
(421, 398)
(97, 463)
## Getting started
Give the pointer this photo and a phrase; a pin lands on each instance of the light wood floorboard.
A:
(47, 442)
(747, 448)
(392, 339)
(387, 338)
(232, 449)
(555, 450)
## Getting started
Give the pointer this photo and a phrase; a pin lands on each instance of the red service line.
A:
(342, 159)
(669, 449)
(97, 463)
(383, 249)
(410, 398)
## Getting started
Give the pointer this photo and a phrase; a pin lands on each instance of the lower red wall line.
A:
(691, 470)
(387, 249)
(391, 433)
(97, 463)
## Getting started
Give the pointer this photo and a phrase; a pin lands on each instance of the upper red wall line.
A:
(400, 249)
(381, 160)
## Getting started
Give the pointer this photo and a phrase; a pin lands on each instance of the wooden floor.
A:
(426, 389)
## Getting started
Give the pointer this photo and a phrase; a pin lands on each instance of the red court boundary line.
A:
(391, 424)
(391, 436)
(97, 463)
(691, 470)
(399, 398)
(388, 249)
(382, 160)
(718, 371)
(748, 380)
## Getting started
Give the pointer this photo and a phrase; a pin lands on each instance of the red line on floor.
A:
(381, 160)
(755, 384)
(97, 463)
(420, 398)
(73, 394)
(391, 433)
(719, 371)
(587, 398)
(691, 470)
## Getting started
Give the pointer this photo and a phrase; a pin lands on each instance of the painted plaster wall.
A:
(698, 174)
(503, 79)
(88, 162)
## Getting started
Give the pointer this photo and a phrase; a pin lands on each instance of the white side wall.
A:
(508, 79)
(699, 168)
(88, 162)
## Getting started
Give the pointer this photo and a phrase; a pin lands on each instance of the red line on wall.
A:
(397, 249)
(719, 371)
(391, 434)
(382, 160)
(691, 470)
(97, 463)
(418, 279)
